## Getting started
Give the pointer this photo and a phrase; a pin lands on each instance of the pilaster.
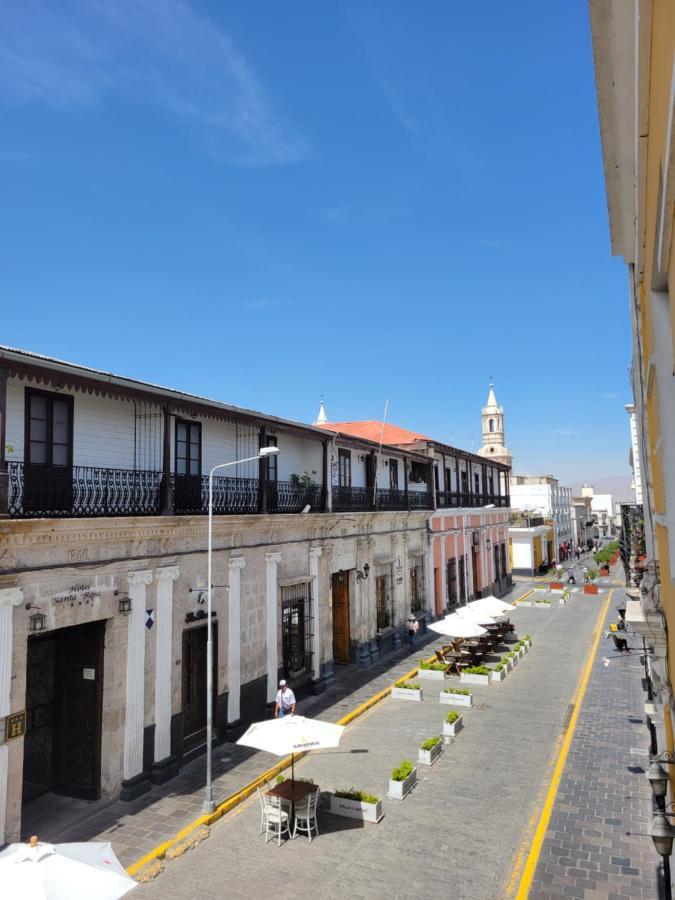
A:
(165, 767)
(135, 782)
(235, 564)
(314, 556)
(9, 598)
(272, 560)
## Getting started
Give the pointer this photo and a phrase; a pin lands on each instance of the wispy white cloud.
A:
(610, 396)
(76, 53)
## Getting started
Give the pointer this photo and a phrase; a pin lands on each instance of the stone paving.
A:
(457, 833)
(597, 845)
(137, 827)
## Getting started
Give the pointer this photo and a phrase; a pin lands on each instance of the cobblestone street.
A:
(461, 828)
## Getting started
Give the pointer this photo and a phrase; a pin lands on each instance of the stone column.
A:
(314, 556)
(272, 560)
(165, 766)
(235, 565)
(443, 555)
(135, 781)
(9, 598)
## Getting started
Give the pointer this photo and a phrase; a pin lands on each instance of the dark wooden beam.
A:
(166, 496)
(262, 472)
(4, 475)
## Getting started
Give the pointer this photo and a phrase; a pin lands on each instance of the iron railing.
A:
(286, 497)
(38, 491)
(352, 499)
(420, 500)
(391, 499)
(231, 496)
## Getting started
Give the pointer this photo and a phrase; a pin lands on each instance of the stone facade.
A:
(74, 572)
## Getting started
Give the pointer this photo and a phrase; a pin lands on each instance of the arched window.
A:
(492, 424)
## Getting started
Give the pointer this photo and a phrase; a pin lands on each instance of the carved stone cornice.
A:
(236, 562)
(274, 557)
(169, 572)
(136, 578)
(315, 552)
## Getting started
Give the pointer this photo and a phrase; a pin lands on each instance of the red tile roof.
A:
(373, 430)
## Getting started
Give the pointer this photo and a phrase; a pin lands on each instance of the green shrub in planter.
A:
(400, 773)
(499, 667)
(280, 779)
(432, 666)
(527, 638)
(476, 670)
(354, 794)
(462, 691)
(430, 743)
(408, 685)
(451, 717)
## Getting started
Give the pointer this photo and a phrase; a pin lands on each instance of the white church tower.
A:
(322, 418)
(493, 431)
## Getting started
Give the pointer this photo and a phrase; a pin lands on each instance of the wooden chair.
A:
(449, 665)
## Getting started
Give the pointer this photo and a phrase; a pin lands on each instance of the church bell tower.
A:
(493, 431)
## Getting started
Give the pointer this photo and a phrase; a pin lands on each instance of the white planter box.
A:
(542, 604)
(498, 675)
(474, 679)
(525, 603)
(433, 674)
(406, 694)
(450, 729)
(562, 601)
(515, 658)
(356, 809)
(429, 757)
(455, 699)
(398, 789)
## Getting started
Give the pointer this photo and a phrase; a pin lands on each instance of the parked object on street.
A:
(79, 871)
(291, 735)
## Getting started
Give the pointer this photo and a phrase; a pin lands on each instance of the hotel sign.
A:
(15, 725)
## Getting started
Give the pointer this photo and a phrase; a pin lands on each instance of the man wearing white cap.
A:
(285, 702)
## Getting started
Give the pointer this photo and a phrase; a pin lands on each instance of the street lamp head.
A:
(268, 451)
(658, 778)
(662, 834)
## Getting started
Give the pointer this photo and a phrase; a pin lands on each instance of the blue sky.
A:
(267, 202)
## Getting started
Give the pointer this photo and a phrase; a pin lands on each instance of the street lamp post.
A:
(209, 805)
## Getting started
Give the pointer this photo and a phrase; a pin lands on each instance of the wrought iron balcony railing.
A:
(391, 499)
(231, 496)
(420, 500)
(37, 491)
(286, 497)
(352, 499)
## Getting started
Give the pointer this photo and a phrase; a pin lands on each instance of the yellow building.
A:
(634, 53)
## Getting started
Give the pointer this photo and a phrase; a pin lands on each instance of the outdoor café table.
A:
(293, 792)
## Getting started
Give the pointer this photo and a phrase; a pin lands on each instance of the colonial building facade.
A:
(320, 554)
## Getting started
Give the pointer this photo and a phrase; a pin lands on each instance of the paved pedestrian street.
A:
(466, 823)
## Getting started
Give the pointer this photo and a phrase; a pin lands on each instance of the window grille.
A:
(451, 582)
(417, 585)
(384, 601)
(297, 630)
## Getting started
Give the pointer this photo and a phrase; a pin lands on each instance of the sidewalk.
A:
(598, 843)
(137, 827)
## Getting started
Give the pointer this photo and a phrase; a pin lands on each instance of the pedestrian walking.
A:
(412, 627)
(285, 702)
(585, 571)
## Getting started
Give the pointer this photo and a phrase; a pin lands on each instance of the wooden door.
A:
(194, 685)
(438, 600)
(48, 466)
(475, 564)
(78, 694)
(340, 584)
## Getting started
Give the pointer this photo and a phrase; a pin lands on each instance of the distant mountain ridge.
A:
(617, 485)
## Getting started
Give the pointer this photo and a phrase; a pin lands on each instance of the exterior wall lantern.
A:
(125, 605)
(364, 574)
(37, 621)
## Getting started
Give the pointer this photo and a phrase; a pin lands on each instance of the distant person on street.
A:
(585, 571)
(570, 577)
(285, 702)
(412, 627)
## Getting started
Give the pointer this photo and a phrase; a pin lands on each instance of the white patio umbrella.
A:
(476, 615)
(458, 627)
(292, 734)
(485, 604)
(82, 871)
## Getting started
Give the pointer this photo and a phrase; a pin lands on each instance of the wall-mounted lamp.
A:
(488, 544)
(364, 574)
(125, 605)
(37, 621)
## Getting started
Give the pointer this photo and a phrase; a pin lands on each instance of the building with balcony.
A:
(319, 555)
(633, 49)
(469, 524)
(543, 495)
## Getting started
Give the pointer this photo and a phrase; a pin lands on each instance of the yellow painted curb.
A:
(524, 596)
(228, 804)
(530, 865)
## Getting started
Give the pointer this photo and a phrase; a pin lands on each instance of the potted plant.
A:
(453, 724)
(355, 804)
(520, 648)
(434, 670)
(512, 657)
(456, 697)
(430, 750)
(590, 589)
(564, 597)
(555, 586)
(527, 641)
(402, 781)
(543, 602)
(499, 672)
(406, 690)
(526, 602)
(475, 675)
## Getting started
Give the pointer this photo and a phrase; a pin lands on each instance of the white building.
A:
(635, 455)
(543, 494)
(603, 508)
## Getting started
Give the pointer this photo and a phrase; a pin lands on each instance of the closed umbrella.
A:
(82, 871)
(458, 627)
(292, 734)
